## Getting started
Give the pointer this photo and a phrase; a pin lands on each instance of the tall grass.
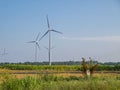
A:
(51, 82)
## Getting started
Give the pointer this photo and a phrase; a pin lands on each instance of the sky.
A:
(91, 28)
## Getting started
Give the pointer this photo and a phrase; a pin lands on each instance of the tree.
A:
(88, 69)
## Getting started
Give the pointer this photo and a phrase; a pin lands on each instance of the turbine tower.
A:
(36, 45)
(49, 32)
(4, 54)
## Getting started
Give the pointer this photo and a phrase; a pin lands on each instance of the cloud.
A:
(102, 38)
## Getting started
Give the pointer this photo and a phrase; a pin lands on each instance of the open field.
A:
(57, 80)
(22, 73)
(58, 77)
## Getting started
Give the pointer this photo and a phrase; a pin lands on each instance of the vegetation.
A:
(100, 67)
(62, 63)
(41, 67)
(88, 69)
(52, 82)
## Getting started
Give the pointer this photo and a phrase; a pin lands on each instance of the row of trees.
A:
(62, 63)
(84, 65)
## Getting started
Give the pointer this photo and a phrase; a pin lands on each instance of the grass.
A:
(48, 80)
(59, 82)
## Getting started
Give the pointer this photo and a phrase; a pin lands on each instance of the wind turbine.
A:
(4, 54)
(36, 45)
(49, 32)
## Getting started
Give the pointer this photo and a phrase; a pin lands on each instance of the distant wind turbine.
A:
(49, 32)
(36, 45)
(4, 52)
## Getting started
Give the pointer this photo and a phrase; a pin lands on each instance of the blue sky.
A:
(91, 28)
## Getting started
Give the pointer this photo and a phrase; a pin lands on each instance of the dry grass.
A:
(20, 76)
(33, 73)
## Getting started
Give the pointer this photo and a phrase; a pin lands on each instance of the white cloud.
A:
(102, 38)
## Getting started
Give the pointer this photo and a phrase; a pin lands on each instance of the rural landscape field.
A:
(59, 44)
(58, 77)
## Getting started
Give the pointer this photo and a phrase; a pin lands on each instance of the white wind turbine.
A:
(49, 32)
(36, 45)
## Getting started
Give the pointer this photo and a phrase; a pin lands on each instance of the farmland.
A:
(100, 67)
(57, 77)
(50, 82)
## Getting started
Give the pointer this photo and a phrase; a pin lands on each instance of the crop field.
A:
(56, 78)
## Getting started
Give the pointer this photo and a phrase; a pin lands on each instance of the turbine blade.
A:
(31, 42)
(37, 36)
(43, 35)
(38, 46)
(56, 31)
(48, 22)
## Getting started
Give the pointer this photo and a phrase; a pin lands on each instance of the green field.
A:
(58, 67)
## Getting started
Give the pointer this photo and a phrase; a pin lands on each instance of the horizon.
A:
(53, 63)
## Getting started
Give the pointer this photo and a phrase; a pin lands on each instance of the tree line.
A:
(60, 66)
